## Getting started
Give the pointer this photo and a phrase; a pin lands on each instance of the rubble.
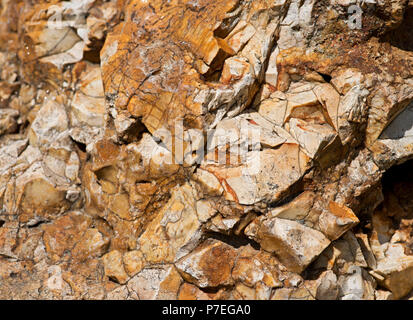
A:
(206, 150)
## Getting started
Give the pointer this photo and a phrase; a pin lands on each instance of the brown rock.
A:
(209, 265)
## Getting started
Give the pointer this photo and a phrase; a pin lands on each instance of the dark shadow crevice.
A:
(233, 240)
(402, 37)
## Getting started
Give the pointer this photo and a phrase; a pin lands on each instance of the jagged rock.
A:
(87, 109)
(114, 266)
(133, 262)
(8, 123)
(206, 150)
(155, 283)
(395, 270)
(354, 287)
(191, 292)
(327, 288)
(337, 220)
(210, 265)
(266, 176)
(174, 232)
(73, 233)
(295, 244)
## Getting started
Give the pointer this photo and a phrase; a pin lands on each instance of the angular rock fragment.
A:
(174, 232)
(87, 110)
(337, 220)
(210, 265)
(293, 243)
(266, 176)
(160, 283)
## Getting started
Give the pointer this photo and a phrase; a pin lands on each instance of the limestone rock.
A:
(295, 244)
(266, 176)
(206, 149)
(210, 265)
(114, 266)
(337, 220)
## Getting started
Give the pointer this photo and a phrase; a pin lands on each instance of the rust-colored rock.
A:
(181, 149)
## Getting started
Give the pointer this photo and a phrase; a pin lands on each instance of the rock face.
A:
(240, 149)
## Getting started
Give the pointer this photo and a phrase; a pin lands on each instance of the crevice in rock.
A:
(397, 185)
(5, 256)
(286, 200)
(398, 180)
(233, 240)
(395, 212)
(293, 192)
(111, 279)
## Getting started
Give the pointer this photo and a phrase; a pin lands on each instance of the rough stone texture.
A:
(126, 171)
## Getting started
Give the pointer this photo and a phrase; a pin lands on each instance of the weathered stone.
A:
(133, 262)
(396, 269)
(266, 176)
(206, 150)
(114, 266)
(312, 137)
(337, 220)
(175, 230)
(87, 109)
(353, 286)
(253, 270)
(65, 233)
(327, 288)
(209, 183)
(191, 292)
(155, 283)
(274, 108)
(8, 123)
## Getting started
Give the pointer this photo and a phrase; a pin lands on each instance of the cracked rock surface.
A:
(126, 171)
